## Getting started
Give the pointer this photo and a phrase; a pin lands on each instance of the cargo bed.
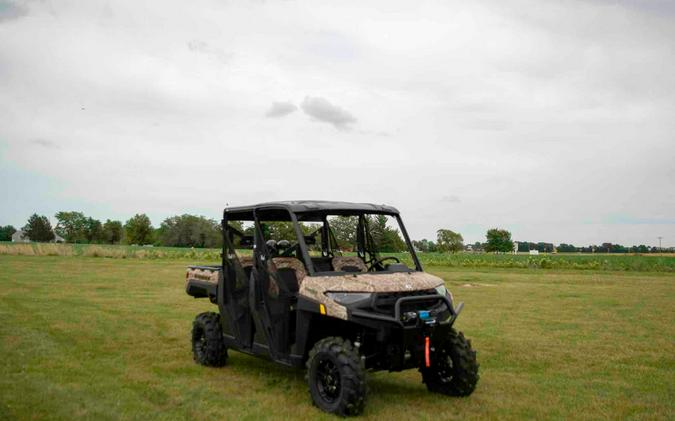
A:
(202, 281)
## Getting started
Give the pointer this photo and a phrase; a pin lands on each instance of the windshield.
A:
(325, 243)
(358, 242)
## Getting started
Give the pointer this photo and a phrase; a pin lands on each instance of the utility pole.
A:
(660, 249)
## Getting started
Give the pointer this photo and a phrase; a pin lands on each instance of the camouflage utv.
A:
(338, 305)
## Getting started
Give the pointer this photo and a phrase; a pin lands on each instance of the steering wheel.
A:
(378, 262)
(289, 252)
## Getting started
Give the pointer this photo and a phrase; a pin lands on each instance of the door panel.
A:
(273, 310)
(236, 294)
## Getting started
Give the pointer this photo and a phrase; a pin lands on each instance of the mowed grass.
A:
(87, 338)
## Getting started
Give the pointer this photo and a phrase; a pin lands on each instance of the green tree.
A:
(6, 233)
(39, 228)
(386, 238)
(566, 248)
(238, 225)
(425, 246)
(93, 230)
(344, 230)
(138, 230)
(190, 231)
(498, 240)
(112, 231)
(448, 240)
(72, 226)
(281, 230)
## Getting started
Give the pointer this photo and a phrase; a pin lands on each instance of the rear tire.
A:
(454, 369)
(208, 345)
(337, 377)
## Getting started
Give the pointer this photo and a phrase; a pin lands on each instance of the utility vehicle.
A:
(318, 289)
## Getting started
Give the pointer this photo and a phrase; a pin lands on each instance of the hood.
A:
(315, 287)
(367, 282)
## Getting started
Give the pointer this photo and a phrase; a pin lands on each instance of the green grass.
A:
(106, 339)
(571, 261)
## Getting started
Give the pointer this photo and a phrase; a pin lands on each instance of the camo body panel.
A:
(207, 275)
(315, 287)
(212, 275)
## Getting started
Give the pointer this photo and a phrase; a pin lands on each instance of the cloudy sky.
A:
(555, 120)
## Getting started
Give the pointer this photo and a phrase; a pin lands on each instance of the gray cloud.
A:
(201, 47)
(280, 109)
(11, 10)
(322, 110)
(450, 199)
(45, 143)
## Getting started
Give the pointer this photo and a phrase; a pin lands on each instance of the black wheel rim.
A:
(328, 380)
(444, 367)
(200, 343)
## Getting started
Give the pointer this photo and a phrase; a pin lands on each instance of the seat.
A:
(291, 272)
(349, 264)
(246, 261)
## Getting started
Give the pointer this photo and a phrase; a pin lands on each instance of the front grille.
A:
(384, 302)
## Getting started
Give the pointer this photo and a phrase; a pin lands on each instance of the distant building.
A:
(20, 237)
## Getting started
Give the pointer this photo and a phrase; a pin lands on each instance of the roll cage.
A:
(317, 212)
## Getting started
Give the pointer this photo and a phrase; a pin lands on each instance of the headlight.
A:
(347, 298)
(442, 290)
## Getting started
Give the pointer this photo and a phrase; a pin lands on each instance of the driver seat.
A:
(349, 264)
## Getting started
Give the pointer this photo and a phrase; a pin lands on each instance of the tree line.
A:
(499, 240)
(197, 231)
(189, 231)
(75, 227)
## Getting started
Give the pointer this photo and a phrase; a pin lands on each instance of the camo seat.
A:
(349, 264)
(291, 272)
(246, 261)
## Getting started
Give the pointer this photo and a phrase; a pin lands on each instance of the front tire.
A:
(337, 377)
(454, 369)
(208, 345)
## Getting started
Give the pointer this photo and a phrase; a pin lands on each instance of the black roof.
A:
(300, 206)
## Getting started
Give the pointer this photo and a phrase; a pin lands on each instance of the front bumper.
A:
(395, 343)
(401, 318)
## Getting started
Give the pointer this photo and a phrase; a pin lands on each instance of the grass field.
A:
(567, 261)
(106, 339)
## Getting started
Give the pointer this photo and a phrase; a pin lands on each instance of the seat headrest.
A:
(291, 263)
(348, 263)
